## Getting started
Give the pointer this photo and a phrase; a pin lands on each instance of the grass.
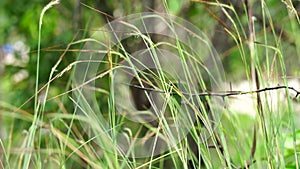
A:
(97, 126)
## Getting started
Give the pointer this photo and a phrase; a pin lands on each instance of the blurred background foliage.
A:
(70, 20)
(73, 20)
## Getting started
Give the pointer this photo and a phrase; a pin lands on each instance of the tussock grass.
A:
(84, 136)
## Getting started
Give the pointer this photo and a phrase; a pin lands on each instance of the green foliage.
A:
(61, 141)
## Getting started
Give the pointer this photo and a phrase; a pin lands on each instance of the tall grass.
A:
(85, 136)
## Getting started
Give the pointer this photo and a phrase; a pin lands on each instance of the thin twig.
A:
(219, 94)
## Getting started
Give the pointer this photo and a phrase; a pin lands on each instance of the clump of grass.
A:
(77, 137)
